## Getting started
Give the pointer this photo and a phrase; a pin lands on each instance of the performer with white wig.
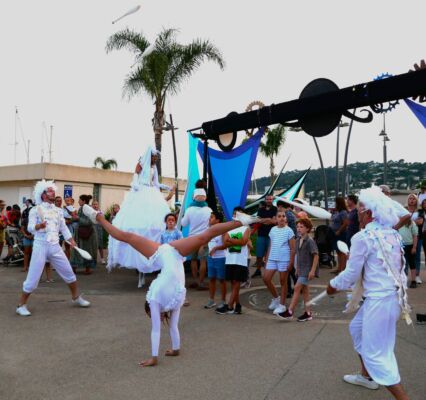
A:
(45, 222)
(166, 294)
(376, 268)
(142, 212)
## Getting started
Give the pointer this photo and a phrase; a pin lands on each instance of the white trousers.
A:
(156, 328)
(44, 252)
(373, 332)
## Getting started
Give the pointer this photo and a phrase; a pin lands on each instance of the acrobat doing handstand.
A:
(166, 294)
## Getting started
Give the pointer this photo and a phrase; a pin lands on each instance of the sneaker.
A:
(238, 309)
(279, 309)
(103, 262)
(418, 280)
(413, 284)
(358, 379)
(305, 317)
(286, 315)
(274, 304)
(256, 274)
(231, 311)
(222, 310)
(23, 311)
(79, 301)
(90, 212)
(210, 304)
(245, 219)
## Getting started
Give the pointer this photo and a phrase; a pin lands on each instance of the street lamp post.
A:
(170, 127)
(385, 137)
(341, 125)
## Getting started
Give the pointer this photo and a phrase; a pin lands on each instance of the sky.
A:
(54, 68)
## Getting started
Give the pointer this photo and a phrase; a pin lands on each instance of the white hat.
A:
(380, 205)
(199, 192)
(40, 188)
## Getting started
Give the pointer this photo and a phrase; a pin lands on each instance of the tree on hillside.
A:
(105, 164)
(271, 146)
(162, 69)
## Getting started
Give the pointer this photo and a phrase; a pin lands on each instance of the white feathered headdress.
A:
(40, 188)
(381, 206)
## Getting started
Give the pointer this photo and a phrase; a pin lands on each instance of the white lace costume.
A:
(166, 293)
(46, 246)
(376, 264)
(142, 212)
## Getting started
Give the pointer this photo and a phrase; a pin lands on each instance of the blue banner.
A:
(232, 172)
(418, 110)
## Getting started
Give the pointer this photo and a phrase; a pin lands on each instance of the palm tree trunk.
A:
(272, 169)
(158, 131)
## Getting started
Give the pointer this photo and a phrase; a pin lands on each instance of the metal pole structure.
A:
(337, 160)
(50, 143)
(206, 149)
(175, 158)
(345, 162)
(324, 177)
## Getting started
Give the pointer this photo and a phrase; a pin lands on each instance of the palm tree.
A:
(162, 69)
(105, 164)
(275, 138)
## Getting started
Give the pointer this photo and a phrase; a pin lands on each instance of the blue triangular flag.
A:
(232, 172)
(418, 110)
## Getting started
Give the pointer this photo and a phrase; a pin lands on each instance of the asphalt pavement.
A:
(63, 352)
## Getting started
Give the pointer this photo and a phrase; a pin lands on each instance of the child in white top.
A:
(216, 263)
(280, 257)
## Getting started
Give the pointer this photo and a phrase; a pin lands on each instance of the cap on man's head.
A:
(199, 192)
(385, 189)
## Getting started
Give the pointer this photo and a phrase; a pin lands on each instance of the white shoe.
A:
(79, 301)
(418, 280)
(103, 262)
(358, 379)
(274, 304)
(244, 218)
(23, 311)
(90, 212)
(280, 309)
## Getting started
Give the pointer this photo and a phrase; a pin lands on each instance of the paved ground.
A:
(62, 352)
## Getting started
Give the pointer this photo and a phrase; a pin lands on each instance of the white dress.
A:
(142, 212)
(168, 289)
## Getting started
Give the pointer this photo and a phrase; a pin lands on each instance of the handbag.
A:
(84, 232)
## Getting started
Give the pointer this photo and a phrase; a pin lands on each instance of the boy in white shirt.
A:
(236, 269)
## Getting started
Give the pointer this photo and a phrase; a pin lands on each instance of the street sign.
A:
(67, 191)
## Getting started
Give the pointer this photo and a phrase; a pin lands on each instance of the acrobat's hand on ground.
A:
(331, 290)
(151, 362)
(172, 353)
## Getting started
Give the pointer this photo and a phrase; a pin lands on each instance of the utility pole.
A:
(50, 144)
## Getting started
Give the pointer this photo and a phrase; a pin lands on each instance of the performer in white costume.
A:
(376, 268)
(167, 292)
(142, 212)
(45, 222)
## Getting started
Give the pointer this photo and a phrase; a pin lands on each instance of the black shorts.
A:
(234, 272)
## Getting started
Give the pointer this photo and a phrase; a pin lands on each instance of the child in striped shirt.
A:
(280, 257)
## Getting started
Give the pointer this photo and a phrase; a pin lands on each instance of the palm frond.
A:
(187, 59)
(126, 39)
(98, 160)
(275, 138)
